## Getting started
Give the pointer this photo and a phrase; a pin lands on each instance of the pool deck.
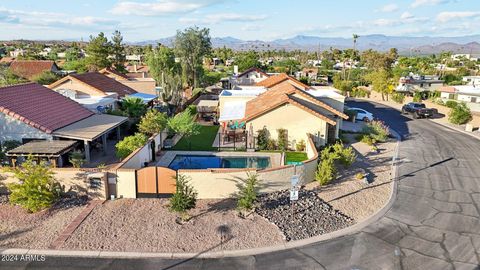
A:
(167, 158)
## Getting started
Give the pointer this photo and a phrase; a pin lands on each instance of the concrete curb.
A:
(232, 253)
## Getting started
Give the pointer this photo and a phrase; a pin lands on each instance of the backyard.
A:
(203, 141)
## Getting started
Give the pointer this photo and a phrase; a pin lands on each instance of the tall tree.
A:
(247, 60)
(161, 61)
(354, 38)
(118, 51)
(191, 45)
(98, 50)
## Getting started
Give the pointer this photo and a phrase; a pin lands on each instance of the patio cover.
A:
(146, 98)
(207, 106)
(233, 110)
(90, 128)
(43, 148)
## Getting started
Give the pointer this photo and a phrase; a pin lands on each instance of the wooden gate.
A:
(155, 182)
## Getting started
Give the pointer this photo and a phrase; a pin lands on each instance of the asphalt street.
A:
(434, 222)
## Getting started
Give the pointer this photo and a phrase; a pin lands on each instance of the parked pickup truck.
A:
(418, 110)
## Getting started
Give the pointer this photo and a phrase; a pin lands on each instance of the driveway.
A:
(433, 224)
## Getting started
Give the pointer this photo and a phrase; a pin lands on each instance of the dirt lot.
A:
(354, 197)
(20, 229)
(147, 225)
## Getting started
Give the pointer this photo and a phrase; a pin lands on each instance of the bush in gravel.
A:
(366, 139)
(37, 189)
(282, 139)
(451, 104)
(185, 196)
(398, 98)
(460, 114)
(247, 194)
(377, 130)
(326, 171)
(129, 144)
(77, 159)
(359, 176)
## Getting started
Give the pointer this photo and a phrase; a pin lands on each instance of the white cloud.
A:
(418, 3)
(385, 22)
(223, 17)
(160, 7)
(251, 27)
(389, 8)
(453, 15)
(406, 15)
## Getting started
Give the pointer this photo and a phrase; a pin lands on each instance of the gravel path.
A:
(354, 197)
(20, 229)
(147, 225)
(308, 216)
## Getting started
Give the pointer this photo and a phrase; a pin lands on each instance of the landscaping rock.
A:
(71, 201)
(307, 217)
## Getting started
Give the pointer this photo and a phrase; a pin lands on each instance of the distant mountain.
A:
(423, 45)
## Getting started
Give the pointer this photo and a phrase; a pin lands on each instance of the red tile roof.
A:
(29, 69)
(98, 82)
(447, 89)
(40, 107)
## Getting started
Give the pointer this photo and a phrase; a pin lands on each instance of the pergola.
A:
(50, 150)
(91, 128)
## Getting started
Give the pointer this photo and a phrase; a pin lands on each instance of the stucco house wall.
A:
(251, 78)
(297, 121)
(82, 89)
(146, 86)
(13, 129)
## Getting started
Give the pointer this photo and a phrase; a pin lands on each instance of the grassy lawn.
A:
(201, 142)
(295, 156)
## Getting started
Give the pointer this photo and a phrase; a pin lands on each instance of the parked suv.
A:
(418, 110)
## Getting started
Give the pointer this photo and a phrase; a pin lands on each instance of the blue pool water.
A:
(211, 162)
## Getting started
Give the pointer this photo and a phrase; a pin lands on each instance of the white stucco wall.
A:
(13, 129)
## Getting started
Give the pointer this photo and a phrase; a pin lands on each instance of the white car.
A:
(362, 114)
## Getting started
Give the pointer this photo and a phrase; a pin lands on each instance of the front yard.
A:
(203, 141)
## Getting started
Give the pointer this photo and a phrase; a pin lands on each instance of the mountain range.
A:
(405, 45)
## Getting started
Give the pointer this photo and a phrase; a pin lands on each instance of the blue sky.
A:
(247, 19)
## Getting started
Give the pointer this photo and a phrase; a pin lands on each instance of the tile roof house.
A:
(29, 69)
(291, 105)
(34, 112)
(139, 84)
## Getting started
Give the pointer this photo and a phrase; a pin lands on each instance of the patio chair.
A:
(241, 125)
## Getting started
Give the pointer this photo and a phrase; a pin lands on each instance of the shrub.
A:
(368, 140)
(345, 155)
(7, 146)
(184, 123)
(129, 144)
(301, 146)
(398, 98)
(326, 171)
(439, 101)
(262, 139)
(417, 97)
(247, 193)
(460, 114)
(282, 139)
(359, 92)
(359, 176)
(359, 137)
(185, 197)
(77, 159)
(271, 144)
(377, 130)
(451, 104)
(37, 190)
(192, 109)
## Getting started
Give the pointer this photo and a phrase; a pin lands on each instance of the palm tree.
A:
(133, 107)
(355, 37)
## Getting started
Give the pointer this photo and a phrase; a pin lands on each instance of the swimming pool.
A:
(212, 162)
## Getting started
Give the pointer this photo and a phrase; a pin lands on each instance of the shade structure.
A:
(233, 110)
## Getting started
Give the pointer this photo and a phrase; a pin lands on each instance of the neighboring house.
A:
(469, 94)
(310, 73)
(472, 80)
(248, 77)
(137, 71)
(419, 83)
(289, 104)
(31, 112)
(17, 52)
(141, 85)
(29, 69)
(93, 90)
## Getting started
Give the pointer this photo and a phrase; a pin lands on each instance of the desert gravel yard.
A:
(20, 229)
(147, 225)
(354, 197)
